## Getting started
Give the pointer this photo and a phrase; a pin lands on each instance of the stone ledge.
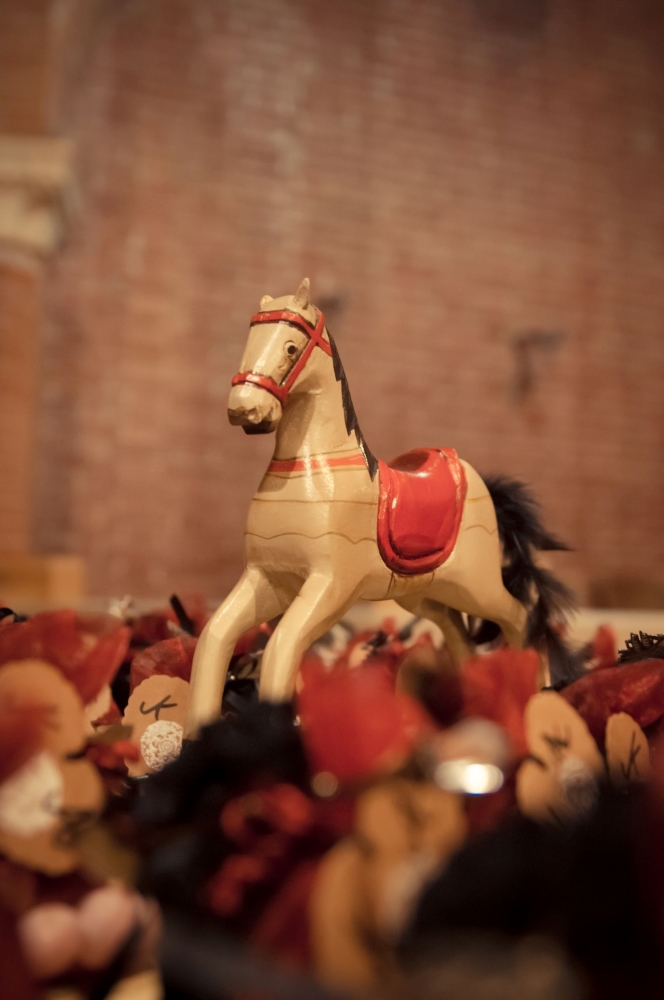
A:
(41, 580)
(37, 192)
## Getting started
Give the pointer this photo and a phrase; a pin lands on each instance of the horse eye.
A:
(291, 349)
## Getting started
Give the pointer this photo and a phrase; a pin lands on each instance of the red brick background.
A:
(449, 173)
(19, 327)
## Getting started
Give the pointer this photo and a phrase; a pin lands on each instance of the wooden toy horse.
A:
(330, 524)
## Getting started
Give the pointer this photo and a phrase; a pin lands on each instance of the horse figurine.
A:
(330, 524)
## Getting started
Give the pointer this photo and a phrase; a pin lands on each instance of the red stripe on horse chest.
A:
(420, 506)
(315, 463)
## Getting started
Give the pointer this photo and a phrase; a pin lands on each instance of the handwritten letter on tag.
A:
(627, 751)
(560, 778)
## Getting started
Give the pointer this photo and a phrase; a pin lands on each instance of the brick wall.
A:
(23, 66)
(450, 174)
(19, 295)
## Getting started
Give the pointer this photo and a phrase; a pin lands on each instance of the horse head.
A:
(282, 338)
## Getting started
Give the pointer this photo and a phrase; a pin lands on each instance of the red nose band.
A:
(315, 335)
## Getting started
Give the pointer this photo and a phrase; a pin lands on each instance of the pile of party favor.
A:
(402, 829)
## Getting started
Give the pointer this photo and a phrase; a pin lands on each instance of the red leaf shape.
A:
(354, 724)
(87, 649)
(172, 657)
(498, 686)
(604, 648)
(634, 688)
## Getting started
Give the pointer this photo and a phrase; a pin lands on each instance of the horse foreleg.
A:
(319, 604)
(448, 621)
(252, 600)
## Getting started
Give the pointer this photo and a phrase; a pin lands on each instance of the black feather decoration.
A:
(547, 599)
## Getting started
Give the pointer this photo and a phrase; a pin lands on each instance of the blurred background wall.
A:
(474, 187)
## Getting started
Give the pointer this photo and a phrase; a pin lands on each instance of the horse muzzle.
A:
(253, 409)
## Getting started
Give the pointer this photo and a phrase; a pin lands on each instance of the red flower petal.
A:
(354, 724)
(87, 649)
(634, 688)
(172, 657)
(498, 686)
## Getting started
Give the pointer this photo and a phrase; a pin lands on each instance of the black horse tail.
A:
(522, 534)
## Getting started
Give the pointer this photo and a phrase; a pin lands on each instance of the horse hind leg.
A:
(493, 602)
(511, 616)
(448, 621)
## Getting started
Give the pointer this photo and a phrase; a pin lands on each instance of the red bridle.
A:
(315, 335)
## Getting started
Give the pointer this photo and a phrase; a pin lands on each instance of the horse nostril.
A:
(241, 415)
(236, 415)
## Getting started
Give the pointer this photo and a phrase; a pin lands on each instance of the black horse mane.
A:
(522, 535)
(349, 410)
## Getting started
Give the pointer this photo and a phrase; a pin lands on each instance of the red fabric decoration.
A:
(110, 718)
(151, 628)
(172, 657)
(634, 688)
(283, 927)
(226, 889)
(390, 654)
(249, 641)
(87, 649)
(497, 686)
(111, 757)
(155, 626)
(604, 648)
(394, 652)
(268, 823)
(126, 749)
(282, 807)
(354, 724)
(15, 979)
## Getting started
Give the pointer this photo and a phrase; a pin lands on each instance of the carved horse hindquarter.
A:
(330, 525)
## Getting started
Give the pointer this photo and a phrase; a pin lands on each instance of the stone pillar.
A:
(36, 188)
(36, 196)
(42, 43)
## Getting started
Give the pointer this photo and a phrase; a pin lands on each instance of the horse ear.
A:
(265, 301)
(302, 294)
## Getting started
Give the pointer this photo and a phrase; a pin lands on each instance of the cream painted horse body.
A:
(311, 539)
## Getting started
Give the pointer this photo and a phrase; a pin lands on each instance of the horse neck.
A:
(313, 422)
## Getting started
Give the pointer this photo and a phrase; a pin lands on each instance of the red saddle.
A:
(419, 509)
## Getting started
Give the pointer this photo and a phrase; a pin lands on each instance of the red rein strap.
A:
(315, 335)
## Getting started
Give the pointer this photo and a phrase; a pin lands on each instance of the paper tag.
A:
(555, 730)
(627, 750)
(561, 780)
(157, 712)
(46, 802)
(31, 799)
(35, 682)
(59, 801)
